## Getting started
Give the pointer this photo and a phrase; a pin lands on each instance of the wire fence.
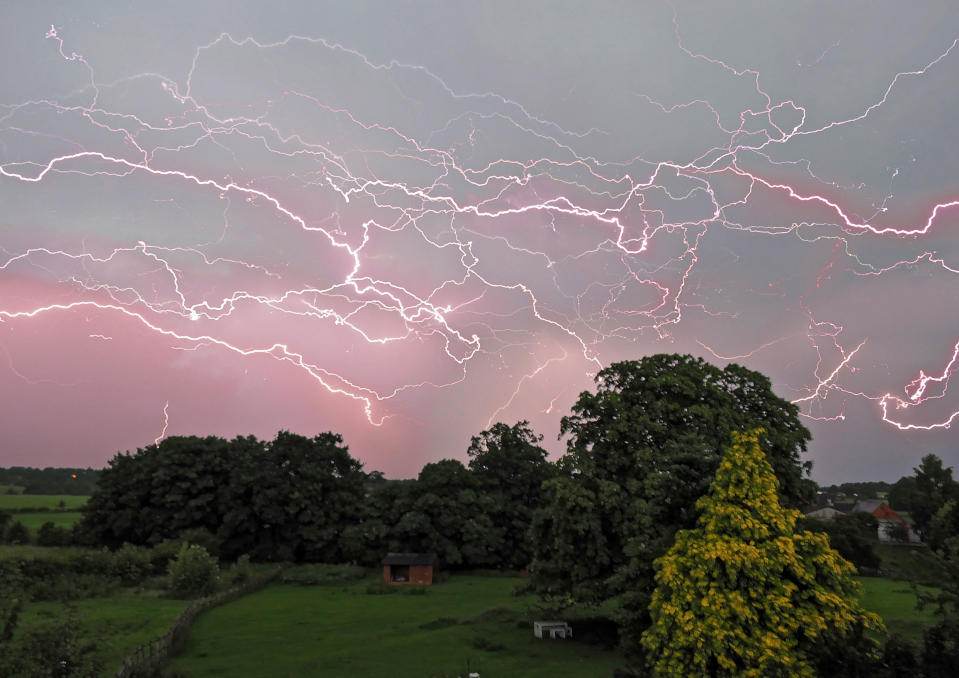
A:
(149, 658)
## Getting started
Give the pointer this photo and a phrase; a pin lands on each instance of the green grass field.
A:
(11, 489)
(292, 631)
(117, 624)
(35, 501)
(895, 602)
(58, 518)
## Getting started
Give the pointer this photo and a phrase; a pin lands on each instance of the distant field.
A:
(58, 518)
(34, 501)
(11, 489)
(895, 602)
(344, 631)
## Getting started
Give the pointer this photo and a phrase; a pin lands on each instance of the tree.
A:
(511, 469)
(744, 594)
(286, 499)
(904, 495)
(934, 487)
(853, 535)
(446, 512)
(642, 449)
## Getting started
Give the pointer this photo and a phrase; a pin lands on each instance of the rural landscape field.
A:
(456, 339)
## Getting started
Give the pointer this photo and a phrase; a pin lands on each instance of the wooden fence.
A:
(149, 658)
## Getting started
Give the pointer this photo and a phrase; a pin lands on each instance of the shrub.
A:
(240, 571)
(18, 533)
(51, 535)
(132, 564)
(193, 572)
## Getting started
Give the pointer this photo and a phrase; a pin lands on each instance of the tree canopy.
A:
(511, 468)
(744, 594)
(641, 450)
(284, 499)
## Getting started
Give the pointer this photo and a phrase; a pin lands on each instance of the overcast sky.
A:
(404, 222)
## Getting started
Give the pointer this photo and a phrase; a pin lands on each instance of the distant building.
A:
(888, 519)
(824, 513)
(415, 569)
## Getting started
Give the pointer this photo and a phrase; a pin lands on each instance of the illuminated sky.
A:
(404, 222)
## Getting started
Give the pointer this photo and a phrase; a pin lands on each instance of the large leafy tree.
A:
(934, 487)
(284, 499)
(744, 594)
(511, 468)
(446, 512)
(642, 449)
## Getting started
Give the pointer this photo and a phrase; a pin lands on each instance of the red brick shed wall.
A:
(420, 575)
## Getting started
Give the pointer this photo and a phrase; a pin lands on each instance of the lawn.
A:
(58, 518)
(895, 602)
(38, 501)
(117, 624)
(288, 631)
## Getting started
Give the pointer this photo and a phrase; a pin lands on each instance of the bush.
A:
(163, 554)
(132, 564)
(18, 533)
(240, 571)
(51, 535)
(193, 572)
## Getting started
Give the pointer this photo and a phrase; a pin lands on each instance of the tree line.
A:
(50, 480)
(643, 451)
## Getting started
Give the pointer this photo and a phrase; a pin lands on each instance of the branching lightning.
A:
(421, 260)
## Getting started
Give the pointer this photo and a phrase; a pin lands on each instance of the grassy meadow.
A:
(59, 518)
(895, 602)
(41, 501)
(340, 630)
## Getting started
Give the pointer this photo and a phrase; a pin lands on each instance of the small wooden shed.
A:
(415, 569)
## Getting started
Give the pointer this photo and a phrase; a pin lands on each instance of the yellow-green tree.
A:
(743, 594)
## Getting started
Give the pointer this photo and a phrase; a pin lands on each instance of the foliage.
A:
(743, 593)
(50, 534)
(904, 494)
(860, 489)
(934, 487)
(944, 525)
(53, 649)
(72, 481)
(642, 449)
(853, 535)
(511, 468)
(17, 533)
(194, 572)
(444, 512)
(132, 564)
(285, 499)
(941, 651)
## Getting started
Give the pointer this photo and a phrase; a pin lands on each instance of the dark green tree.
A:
(904, 494)
(511, 468)
(446, 512)
(934, 487)
(642, 449)
(289, 498)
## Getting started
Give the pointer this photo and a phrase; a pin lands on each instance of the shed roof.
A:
(409, 559)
